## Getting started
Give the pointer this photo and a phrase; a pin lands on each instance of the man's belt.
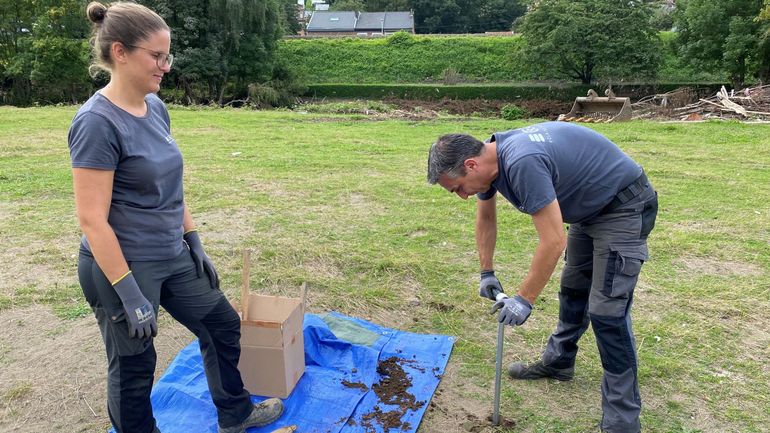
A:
(626, 194)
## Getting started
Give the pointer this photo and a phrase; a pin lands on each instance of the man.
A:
(563, 173)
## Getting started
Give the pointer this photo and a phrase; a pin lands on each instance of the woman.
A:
(140, 248)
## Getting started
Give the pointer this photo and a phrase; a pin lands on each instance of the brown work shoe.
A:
(263, 414)
(538, 370)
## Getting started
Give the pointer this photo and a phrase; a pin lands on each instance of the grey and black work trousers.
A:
(190, 299)
(603, 258)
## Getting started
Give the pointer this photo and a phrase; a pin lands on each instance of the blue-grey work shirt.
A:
(147, 207)
(558, 160)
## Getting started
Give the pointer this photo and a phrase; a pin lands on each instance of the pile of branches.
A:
(751, 103)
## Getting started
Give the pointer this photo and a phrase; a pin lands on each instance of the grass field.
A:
(341, 203)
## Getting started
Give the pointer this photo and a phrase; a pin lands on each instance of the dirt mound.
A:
(391, 390)
(540, 108)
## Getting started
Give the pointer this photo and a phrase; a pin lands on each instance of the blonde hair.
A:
(124, 22)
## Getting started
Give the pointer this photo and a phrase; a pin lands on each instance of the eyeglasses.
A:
(161, 59)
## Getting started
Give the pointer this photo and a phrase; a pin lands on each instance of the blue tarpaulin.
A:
(320, 403)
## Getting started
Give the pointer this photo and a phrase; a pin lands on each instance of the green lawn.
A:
(342, 203)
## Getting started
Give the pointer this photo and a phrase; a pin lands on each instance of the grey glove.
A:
(489, 285)
(202, 261)
(140, 313)
(513, 311)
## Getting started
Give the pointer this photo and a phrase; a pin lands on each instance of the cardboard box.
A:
(272, 344)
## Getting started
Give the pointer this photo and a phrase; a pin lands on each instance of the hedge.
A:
(505, 92)
(402, 58)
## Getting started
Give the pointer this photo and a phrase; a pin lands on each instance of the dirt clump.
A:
(392, 390)
(388, 420)
(358, 385)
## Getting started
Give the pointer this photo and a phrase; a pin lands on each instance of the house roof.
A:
(385, 21)
(349, 21)
(332, 21)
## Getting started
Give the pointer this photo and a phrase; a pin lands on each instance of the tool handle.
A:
(245, 275)
(499, 296)
(498, 374)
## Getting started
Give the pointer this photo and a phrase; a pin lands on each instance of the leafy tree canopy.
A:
(729, 35)
(611, 39)
(221, 43)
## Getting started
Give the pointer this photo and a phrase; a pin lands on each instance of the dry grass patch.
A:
(31, 264)
(455, 406)
(54, 371)
(699, 266)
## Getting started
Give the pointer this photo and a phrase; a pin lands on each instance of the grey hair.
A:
(448, 154)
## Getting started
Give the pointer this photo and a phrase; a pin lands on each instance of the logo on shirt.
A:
(537, 138)
(169, 139)
(530, 129)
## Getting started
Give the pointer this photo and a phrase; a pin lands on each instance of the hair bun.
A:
(96, 12)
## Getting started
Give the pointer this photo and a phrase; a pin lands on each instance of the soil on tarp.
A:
(392, 390)
(358, 385)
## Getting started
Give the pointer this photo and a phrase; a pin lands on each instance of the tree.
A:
(222, 45)
(435, 16)
(387, 5)
(43, 50)
(60, 50)
(348, 5)
(721, 35)
(290, 15)
(663, 15)
(610, 38)
(16, 18)
(763, 44)
(494, 15)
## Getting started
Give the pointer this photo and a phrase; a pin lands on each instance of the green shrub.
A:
(401, 38)
(450, 76)
(513, 112)
(263, 95)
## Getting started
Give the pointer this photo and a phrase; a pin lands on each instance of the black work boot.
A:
(538, 370)
(263, 414)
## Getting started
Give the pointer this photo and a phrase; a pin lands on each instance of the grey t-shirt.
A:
(147, 205)
(559, 160)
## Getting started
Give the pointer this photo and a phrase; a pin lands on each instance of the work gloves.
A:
(489, 285)
(202, 261)
(513, 311)
(140, 314)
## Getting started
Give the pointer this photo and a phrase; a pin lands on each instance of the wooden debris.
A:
(683, 104)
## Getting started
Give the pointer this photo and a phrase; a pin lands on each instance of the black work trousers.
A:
(603, 258)
(190, 299)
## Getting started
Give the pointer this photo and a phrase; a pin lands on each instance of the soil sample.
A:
(358, 385)
(392, 390)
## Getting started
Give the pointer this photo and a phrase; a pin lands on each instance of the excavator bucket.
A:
(599, 109)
